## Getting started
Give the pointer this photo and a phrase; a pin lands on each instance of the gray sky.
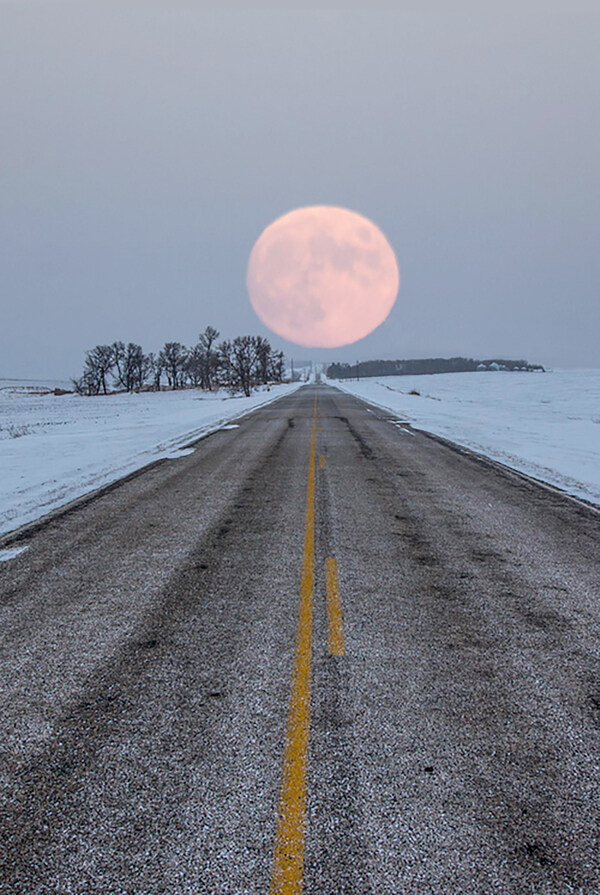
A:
(145, 147)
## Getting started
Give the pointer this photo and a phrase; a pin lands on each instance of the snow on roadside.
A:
(11, 552)
(546, 425)
(54, 449)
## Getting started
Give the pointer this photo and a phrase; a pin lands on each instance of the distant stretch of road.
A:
(321, 654)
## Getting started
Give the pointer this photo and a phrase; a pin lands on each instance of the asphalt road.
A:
(423, 624)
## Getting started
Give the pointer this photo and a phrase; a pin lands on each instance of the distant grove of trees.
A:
(425, 365)
(238, 364)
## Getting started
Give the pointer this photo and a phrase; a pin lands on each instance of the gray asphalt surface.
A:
(147, 647)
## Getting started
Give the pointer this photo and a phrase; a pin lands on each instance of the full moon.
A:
(322, 276)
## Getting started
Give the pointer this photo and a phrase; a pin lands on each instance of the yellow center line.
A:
(288, 857)
(321, 461)
(335, 623)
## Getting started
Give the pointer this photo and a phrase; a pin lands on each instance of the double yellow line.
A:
(288, 858)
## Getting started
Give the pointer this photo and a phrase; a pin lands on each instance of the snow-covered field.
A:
(544, 424)
(56, 448)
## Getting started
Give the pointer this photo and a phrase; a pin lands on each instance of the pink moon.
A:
(322, 277)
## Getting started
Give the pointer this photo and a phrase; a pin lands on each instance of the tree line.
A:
(237, 364)
(425, 365)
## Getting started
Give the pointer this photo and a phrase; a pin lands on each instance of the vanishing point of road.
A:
(323, 654)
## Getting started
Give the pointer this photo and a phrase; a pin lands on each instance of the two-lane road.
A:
(324, 654)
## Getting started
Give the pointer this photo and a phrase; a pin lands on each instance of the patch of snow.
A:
(55, 448)
(544, 425)
(232, 426)
(11, 552)
(175, 454)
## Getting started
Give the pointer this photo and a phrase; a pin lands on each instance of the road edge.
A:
(483, 458)
(35, 525)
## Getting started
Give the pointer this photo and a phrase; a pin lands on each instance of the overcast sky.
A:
(146, 146)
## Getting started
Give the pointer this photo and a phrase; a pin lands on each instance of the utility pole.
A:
(358, 371)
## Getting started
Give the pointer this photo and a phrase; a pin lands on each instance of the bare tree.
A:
(248, 361)
(135, 367)
(155, 368)
(131, 365)
(263, 352)
(208, 355)
(99, 362)
(88, 384)
(118, 350)
(223, 369)
(173, 355)
(243, 363)
(278, 366)
(194, 365)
